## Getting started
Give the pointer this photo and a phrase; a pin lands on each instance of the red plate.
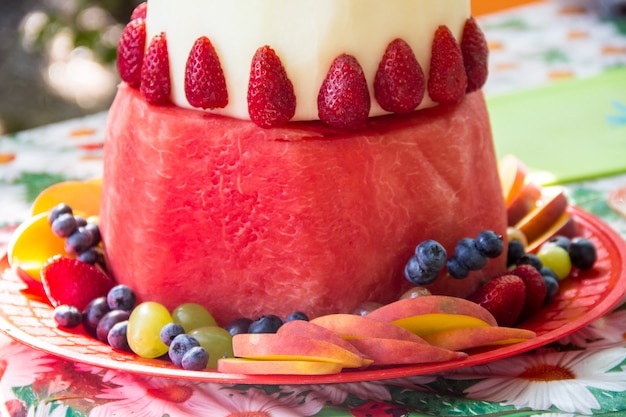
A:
(582, 300)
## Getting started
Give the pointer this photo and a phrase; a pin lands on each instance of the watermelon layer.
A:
(250, 221)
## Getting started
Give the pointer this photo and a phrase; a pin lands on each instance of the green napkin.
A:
(568, 131)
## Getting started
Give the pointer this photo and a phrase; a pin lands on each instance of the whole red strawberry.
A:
(73, 282)
(205, 85)
(140, 11)
(504, 297)
(447, 80)
(130, 52)
(399, 83)
(343, 100)
(475, 55)
(271, 99)
(536, 289)
(155, 72)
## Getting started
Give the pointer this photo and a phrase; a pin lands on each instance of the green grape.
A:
(144, 328)
(556, 258)
(216, 340)
(191, 316)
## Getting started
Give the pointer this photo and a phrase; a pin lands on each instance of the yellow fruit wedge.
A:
(82, 196)
(461, 339)
(276, 367)
(425, 324)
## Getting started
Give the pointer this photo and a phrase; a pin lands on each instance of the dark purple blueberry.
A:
(547, 271)
(67, 316)
(195, 359)
(416, 275)
(238, 326)
(489, 243)
(81, 221)
(265, 324)
(179, 346)
(64, 225)
(431, 256)
(582, 253)
(515, 251)
(560, 240)
(468, 254)
(57, 210)
(79, 241)
(456, 269)
(108, 321)
(121, 297)
(552, 286)
(94, 229)
(170, 331)
(117, 336)
(297, 315)
(90, 256)
(93, 312)
(530, 259)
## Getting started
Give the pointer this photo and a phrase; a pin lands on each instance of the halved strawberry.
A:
(475, 55)
(504, 297)
(140, 11)
(130, 52)
(155, 72)
(399, 83)
(447, 80)
(343, 100)
(271, 99)
(536, 289)
(205, 85)
(70, 281)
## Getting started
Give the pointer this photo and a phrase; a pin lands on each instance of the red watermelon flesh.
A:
(250, 221)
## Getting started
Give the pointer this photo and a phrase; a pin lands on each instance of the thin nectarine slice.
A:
(259, 367)
(309, 329)
(350, 326)
(523, 203)
(467, 338)
(566, 226)
(512, 176)
(402, 352)
(425, 324)
(548, 211)
(82, 196)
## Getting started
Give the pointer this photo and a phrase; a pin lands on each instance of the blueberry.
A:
(238, 326)
(57, 210)
(265, 324)
(117, 336)
(64, 225)
(179, 346)
(582, 253)
(560, 240)
(489, 243)
(67, 316)
(121, 297)
(195, 359)
(416, 275)
(170, 331)
(80, 221)
(456, 269)
(108, 321)
(552, 285)
(90, 256)
(515, 251)
(431, 256)
(530, 259)
(93, 312)
(297, 315)
(544, 271)
(94, 229)
(468, 254)
(79, 241)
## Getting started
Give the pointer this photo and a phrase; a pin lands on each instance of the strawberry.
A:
(447, 80)
(140, 11)
(475, 55)
(70, 281)
(536, 289)
(344, 100)
(155, 72)
(399, 83)
(271, 99)
(130, 51)
(503, 296)
(205, 85)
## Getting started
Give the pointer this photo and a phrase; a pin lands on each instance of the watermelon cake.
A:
(271, 156)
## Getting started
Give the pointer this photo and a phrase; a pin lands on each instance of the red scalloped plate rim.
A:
(579, 306)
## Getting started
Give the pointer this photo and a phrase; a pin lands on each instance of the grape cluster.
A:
(82, 236)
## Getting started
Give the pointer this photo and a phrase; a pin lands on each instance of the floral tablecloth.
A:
(582, 374)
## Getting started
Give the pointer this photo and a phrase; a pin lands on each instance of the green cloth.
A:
(568, 131)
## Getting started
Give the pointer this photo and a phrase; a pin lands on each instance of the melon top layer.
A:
(307, 35)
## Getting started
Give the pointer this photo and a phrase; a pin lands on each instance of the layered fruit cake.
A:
(271, 156)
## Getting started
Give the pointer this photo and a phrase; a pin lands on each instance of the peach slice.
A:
(315, 331)
(523, 203)
(351, 326)
(512, 177)
(263, 367)
(83, 196)
(32, 244)
(282, 347)
(425, 324)
(548, 211)
(467, 338)
(402, 352)
(432, 304)
(566, 225)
